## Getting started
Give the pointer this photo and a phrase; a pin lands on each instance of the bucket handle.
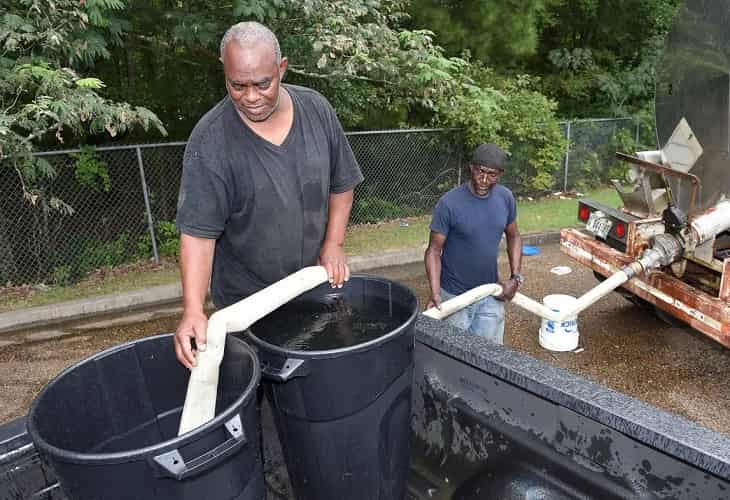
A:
(291, 368)
(172, 464)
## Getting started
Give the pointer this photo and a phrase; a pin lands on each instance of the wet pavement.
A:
(621, 347)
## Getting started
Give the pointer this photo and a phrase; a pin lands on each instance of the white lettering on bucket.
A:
(562, 335)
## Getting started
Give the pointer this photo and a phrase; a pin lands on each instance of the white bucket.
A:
(562, 335)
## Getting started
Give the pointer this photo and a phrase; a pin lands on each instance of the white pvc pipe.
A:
(535, 307)
(203, 385)
(712, 223)
(591, 296)
(467, 298)
(583, 302)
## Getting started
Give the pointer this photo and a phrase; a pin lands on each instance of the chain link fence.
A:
(406, 172)
(590, 156)
(119, 202)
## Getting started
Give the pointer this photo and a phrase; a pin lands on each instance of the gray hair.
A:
(248, 33)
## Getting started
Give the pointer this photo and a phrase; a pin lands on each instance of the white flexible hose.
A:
(203, 385)
(459, 302)
(535, 307)
(584, 301)
(591, 296)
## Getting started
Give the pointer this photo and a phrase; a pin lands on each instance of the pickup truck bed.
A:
(492, 423)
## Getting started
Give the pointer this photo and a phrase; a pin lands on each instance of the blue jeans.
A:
(484, 318)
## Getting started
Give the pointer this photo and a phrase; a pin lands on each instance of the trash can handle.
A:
(172, 464)
(290, 369)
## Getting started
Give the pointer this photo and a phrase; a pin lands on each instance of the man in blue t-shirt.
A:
(467, 226)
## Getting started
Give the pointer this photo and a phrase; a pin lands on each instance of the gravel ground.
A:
(625, 348)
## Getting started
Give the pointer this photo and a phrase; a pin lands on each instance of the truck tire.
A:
(671, 320)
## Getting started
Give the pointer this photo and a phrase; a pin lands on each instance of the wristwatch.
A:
(518, 278)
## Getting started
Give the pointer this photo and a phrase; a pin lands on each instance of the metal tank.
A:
(693, 82)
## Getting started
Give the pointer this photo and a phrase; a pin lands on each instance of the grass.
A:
(137, 277)
(547, 214)
(551, 214)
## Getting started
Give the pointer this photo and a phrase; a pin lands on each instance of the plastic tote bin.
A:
(343, 415)
(108, 427)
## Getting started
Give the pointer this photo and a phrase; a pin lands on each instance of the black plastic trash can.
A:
(108, 427)
(343, 414)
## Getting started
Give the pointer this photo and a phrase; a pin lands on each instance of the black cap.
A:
(489, 155)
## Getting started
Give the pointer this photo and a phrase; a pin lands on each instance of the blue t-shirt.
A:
(473, 228)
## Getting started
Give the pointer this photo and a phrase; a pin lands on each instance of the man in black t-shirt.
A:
(267, 185)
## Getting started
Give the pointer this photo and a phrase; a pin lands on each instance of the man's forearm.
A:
(196, 264)
(340, 205)
(514, 252)
(433, 270)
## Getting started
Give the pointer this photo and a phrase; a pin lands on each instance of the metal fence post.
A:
(638, 128)
(567, 155)
(150, 223)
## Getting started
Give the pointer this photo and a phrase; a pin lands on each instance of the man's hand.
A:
(509, 289)
(332, 257)
(434, 301)
(192, 326)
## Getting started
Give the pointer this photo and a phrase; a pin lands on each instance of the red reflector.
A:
(583, 213)
(620, 229)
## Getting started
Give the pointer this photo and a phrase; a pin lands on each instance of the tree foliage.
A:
(595, 57)
(501, 33)
(367, 57)
(43, 97)
(598, 56)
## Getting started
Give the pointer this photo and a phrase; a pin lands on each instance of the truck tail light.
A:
(583, 213)
(619, 229)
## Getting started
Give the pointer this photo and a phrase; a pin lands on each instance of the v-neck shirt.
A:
(266, 205)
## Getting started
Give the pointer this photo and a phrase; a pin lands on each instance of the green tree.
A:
(43, 97)
(359, 54)
(501, 33)
(45, 45)
(597, 57)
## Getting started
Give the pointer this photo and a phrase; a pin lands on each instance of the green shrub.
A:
(372, 209)
(95, 254)
(62, 275)
(510, 112)
(90, 171)
(168, 241)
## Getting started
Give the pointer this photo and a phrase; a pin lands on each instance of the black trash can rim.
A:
(161, 447)
(334, 353)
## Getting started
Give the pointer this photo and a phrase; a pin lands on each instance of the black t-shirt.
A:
(266, 205)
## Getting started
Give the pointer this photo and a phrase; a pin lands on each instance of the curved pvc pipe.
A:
(200, 399)
(583, 302)
(467, 298)
(591, 296)
(535, 307)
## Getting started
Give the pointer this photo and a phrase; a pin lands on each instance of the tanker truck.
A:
(676, 199)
